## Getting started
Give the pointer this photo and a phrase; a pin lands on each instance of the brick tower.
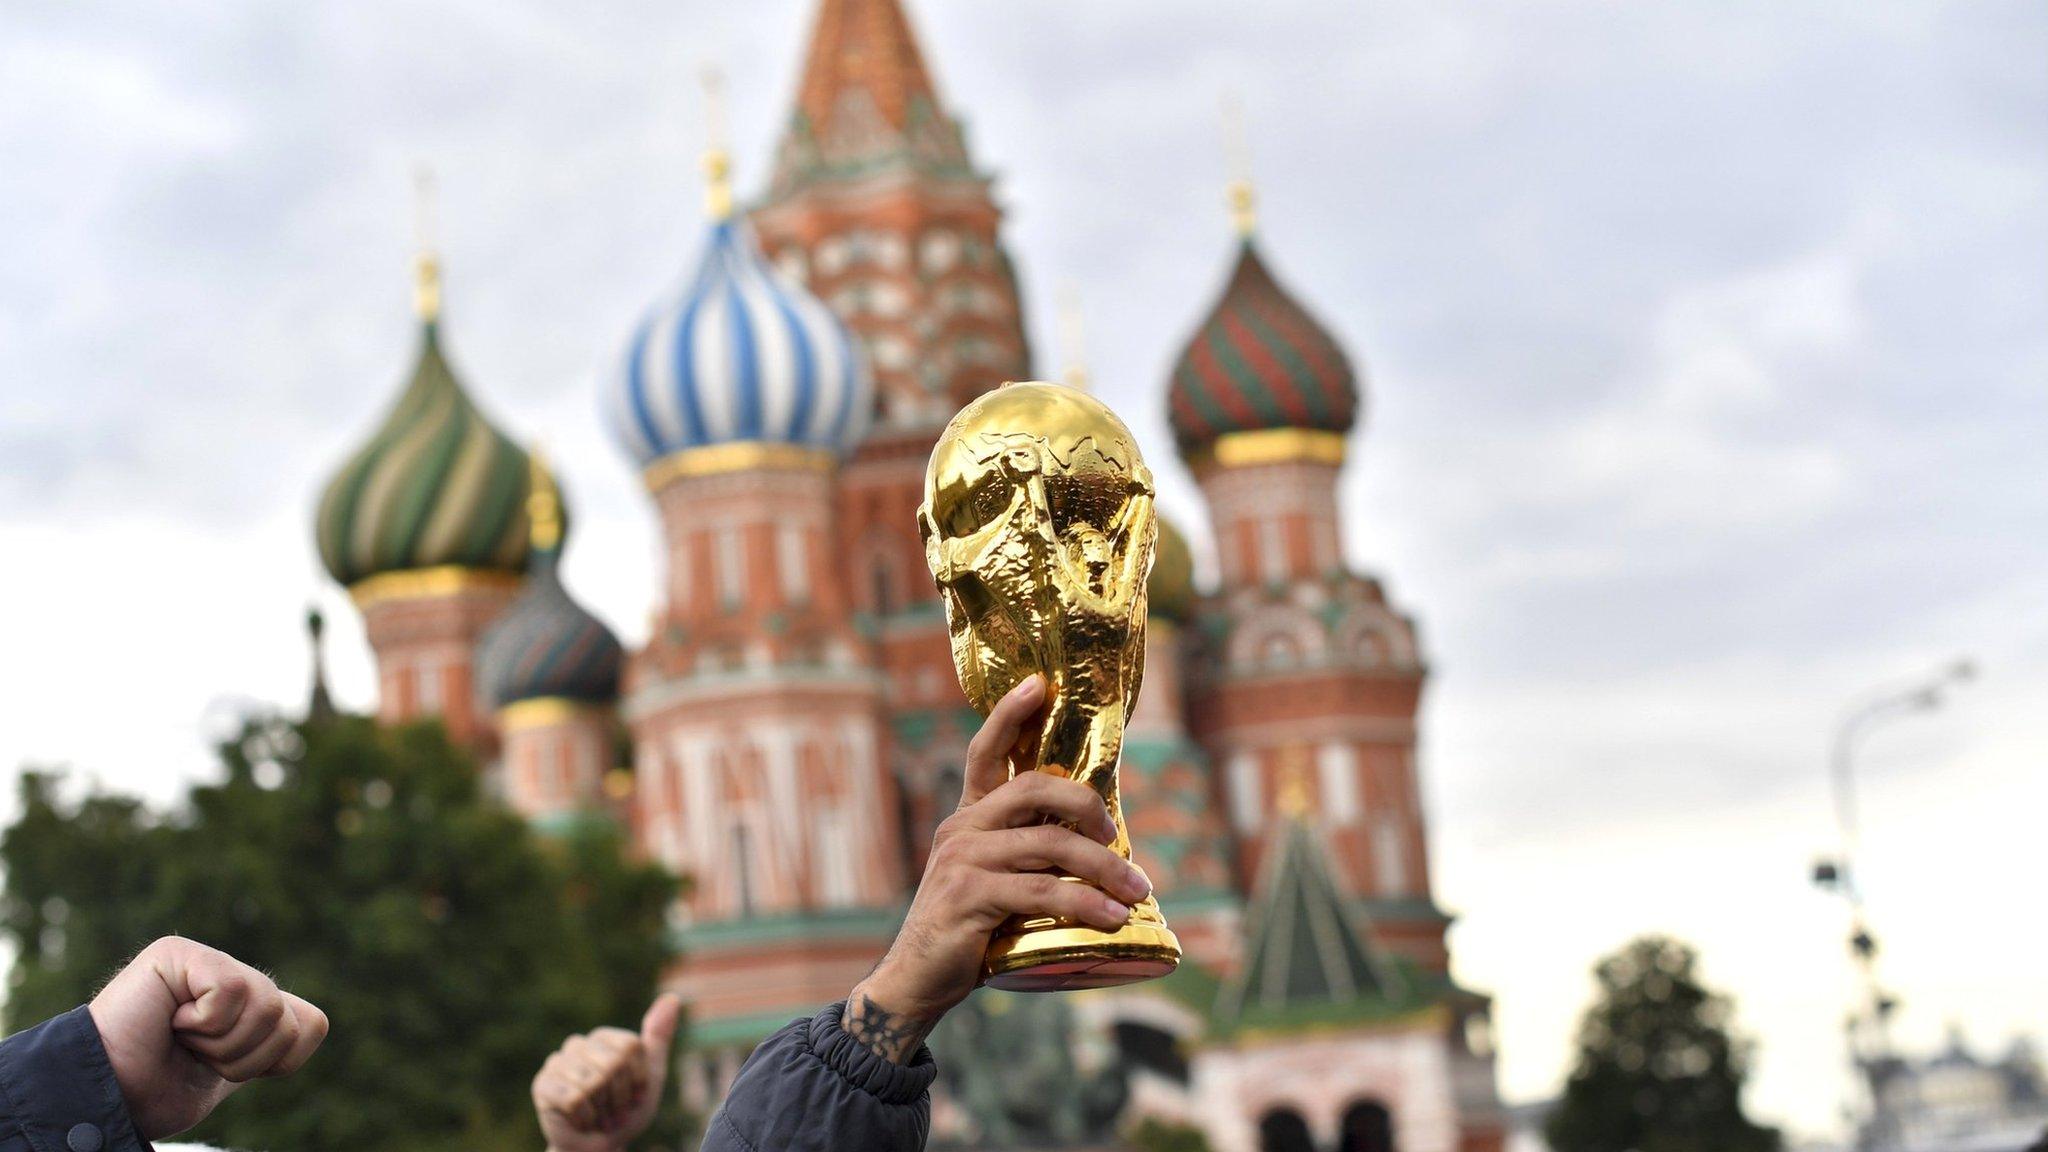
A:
(1305, 685)
(757, 706)
(876, 205)
(548, 672)
(1306, 667)
(426, 527)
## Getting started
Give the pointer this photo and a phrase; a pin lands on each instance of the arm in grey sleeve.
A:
(812, 1088)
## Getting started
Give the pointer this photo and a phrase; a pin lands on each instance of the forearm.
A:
(884, 1026)
(814, 1086)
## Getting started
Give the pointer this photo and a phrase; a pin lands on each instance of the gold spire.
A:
(426, 272)
(1237, 157)
(1073, 345)
(1293, 800)
(543, 505)
(717, 161)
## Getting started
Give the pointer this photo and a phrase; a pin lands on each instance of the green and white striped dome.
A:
(437, 485)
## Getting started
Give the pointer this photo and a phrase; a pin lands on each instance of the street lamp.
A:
(1869, 1033)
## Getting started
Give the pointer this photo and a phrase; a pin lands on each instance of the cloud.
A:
(1704, 346)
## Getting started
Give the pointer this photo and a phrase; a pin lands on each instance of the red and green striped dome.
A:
(1259, 361)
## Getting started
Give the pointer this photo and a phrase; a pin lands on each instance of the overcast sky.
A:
(1708, 359)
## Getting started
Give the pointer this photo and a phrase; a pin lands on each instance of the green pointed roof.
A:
(436, 485)
(1307, 956)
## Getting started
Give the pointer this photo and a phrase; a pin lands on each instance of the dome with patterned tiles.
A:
(1259, 361)
(739, 354)
(546, 645)
(436, 485)
(1170, 590)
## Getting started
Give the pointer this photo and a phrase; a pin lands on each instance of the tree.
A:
(452, 947)
(1658, 1069)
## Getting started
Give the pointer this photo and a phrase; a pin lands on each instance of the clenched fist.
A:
(600, 1091)
(185, 1025)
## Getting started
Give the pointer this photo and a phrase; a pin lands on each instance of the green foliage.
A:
(1154, 1135)
(1658, 1069)
(451, 946)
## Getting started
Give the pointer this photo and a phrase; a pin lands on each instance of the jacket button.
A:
(84, 1138)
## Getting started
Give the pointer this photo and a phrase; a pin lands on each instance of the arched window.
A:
(835, 877)
(1283, 1130)
(1277, 637)
(793, 564)
(1389, 855)
(1375, 637)
(428, 699)
(743, 868)
(1337, 771)
(732, 579)
(882, 600)
(1367, 1127)
(1272, 552)
(1280, 651)
(1246, 792)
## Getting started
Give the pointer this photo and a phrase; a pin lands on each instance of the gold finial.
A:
(717, 161)
(618, 785)
(543, 505)
(426, 272)
(1237, 157)
(1294, 800)
(1073, 345)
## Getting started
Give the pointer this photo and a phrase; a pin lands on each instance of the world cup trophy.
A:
(1039, 528)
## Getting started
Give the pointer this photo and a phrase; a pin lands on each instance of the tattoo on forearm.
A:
(894, 1036)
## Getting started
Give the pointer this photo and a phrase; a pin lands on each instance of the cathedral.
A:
(792, 730)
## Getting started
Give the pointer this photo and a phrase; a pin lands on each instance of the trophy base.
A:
(1066, 957)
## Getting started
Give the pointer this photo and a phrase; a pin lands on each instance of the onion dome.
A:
(547, 646)
(1259, 361)
(740, 354)
(436, 485)
(1170, 590)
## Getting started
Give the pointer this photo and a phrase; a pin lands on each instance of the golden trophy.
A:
(1038, 527)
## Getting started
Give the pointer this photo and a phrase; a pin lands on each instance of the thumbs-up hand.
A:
(600, 1091)
(184, 1025)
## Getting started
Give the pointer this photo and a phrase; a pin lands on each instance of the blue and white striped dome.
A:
(741, 354)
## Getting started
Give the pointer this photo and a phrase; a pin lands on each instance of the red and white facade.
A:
(796, 724)
(757, 719)
(424, 627)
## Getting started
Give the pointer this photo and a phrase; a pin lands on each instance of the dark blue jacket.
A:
(809, 1086)
(57, 1091)
(812, 1087)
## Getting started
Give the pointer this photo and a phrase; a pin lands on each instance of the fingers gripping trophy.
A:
(1039, 528)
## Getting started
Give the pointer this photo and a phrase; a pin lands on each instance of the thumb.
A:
(658, 1030)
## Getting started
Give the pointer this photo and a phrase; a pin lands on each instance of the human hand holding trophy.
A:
(1039, 530)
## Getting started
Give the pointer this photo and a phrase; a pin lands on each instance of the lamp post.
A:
(1869, 1024)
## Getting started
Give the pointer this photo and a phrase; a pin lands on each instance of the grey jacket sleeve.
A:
(813, 1088)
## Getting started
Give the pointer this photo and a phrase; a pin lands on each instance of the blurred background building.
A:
(794, 726)
(1959, 1101)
